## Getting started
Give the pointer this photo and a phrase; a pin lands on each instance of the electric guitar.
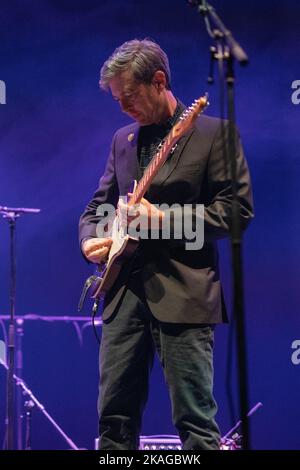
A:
(123, 245)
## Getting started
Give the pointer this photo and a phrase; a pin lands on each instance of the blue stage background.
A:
(56, 128)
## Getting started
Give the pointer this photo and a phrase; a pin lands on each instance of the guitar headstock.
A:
(190, 115)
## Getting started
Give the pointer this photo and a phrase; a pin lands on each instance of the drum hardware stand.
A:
(29, 405)
(232, 440)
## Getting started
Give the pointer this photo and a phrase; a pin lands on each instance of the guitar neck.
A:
(152, 169)
(185, 123)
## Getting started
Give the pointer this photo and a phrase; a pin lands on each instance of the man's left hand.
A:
(149, 216)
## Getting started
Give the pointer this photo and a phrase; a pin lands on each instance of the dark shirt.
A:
(151, 136)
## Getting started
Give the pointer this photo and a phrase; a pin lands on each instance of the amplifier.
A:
(159, 442)
(172, 442)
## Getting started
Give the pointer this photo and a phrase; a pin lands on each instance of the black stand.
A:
(29, 404)
(11, 214)
(230, 436)
(225, 51)
(19, 372)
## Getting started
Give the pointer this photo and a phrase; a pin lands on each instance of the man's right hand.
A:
(96, 249)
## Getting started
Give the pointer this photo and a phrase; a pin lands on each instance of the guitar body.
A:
(122, 248)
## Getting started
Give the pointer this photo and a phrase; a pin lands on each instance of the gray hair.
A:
(142, 57)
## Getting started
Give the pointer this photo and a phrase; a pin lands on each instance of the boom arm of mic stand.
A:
(208, 10)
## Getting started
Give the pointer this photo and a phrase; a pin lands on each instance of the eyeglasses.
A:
(128, 96)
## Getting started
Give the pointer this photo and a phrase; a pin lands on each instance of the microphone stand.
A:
(11, 214)
(226, 51)
(29, 404)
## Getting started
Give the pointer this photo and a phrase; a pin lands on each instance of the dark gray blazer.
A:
(180, 286)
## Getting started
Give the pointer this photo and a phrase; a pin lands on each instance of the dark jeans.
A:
(127, 350)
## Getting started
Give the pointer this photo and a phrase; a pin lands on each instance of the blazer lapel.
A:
(130, 158)
(172, 160)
